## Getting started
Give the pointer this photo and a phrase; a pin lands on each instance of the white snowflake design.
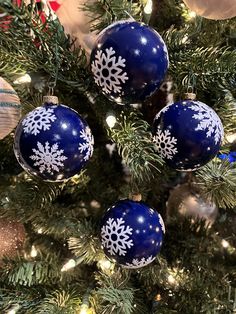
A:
(39, 119)
(162, 224)
(165, 143)
(163, 110)
(208, 121)
(116, 236)
(48, 159)
(107, 70)
(140, 263)
(87, 146)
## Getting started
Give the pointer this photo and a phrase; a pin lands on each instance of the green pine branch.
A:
(135, 146)
(217, 181)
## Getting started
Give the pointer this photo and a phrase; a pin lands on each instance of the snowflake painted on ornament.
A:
(39, 119)
(108, 70)
(48, 159)
(163, 110)
(140, 263)
(87, 146)
(165, 143)
(162, 224)
(208, 121)
(116, 236)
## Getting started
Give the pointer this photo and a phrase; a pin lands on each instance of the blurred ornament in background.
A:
(185, 200)
(10, 108)
(77, 23)
(187, 134)
(213, 9)
(12, 237)
(129, 73)
(132, 233)
(53, 141)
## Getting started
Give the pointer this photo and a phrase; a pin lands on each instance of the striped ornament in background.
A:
(10, 108)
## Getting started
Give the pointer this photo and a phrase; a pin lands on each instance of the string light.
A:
(225, 243)
(192, 14)
(40, 230)
(84, 309)
(14, 309)
(148, 7)
(111, 120)
(69, 265)
(23, 79)
(106, 265)
(231, 138)
(171, 279)
(33, 252)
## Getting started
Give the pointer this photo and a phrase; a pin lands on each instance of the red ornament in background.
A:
(42, 8)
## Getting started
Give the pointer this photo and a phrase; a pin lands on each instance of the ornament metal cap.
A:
(50, 99)
(190, 96)
(136, 197)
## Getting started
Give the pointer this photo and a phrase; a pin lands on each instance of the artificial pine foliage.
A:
(63, 269)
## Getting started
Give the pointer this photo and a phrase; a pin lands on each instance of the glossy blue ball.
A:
(129, 61)
(187, 134)
(53, 142)
(132, 233)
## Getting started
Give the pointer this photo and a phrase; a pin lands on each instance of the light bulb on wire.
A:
(148, 7)
(68, 265)
(111, 120)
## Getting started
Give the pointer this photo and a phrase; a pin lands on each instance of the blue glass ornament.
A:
(231, 156)
(132, 233)
(129, 61)
(187, 134)
(53, 142)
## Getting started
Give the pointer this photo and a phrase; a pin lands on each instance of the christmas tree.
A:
(61, 249)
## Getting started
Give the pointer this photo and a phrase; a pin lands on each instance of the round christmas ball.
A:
(53, 142)
(187, 134)
(132, 233)
(186, 201)
(10, 108)
(213, 9)
(12, 237)
(129, 61)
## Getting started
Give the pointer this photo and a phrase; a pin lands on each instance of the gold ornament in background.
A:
(186, 201)
(213, 9)
(12, 237)
(77, 23)
(10, 108)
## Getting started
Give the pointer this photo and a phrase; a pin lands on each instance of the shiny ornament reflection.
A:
(129, 61)
(132, 233)
(53, 142)
(187, 134)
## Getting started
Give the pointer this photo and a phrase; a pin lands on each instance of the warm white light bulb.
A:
(23, 79)
(231, 138)
(40, 230)
(105, 264)
(225, 243)
(148, 7)
(192, 14)
(33, 252)
(84, 309)
(171, 279)
(111, 120)
(14, 309)
(70, 264)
